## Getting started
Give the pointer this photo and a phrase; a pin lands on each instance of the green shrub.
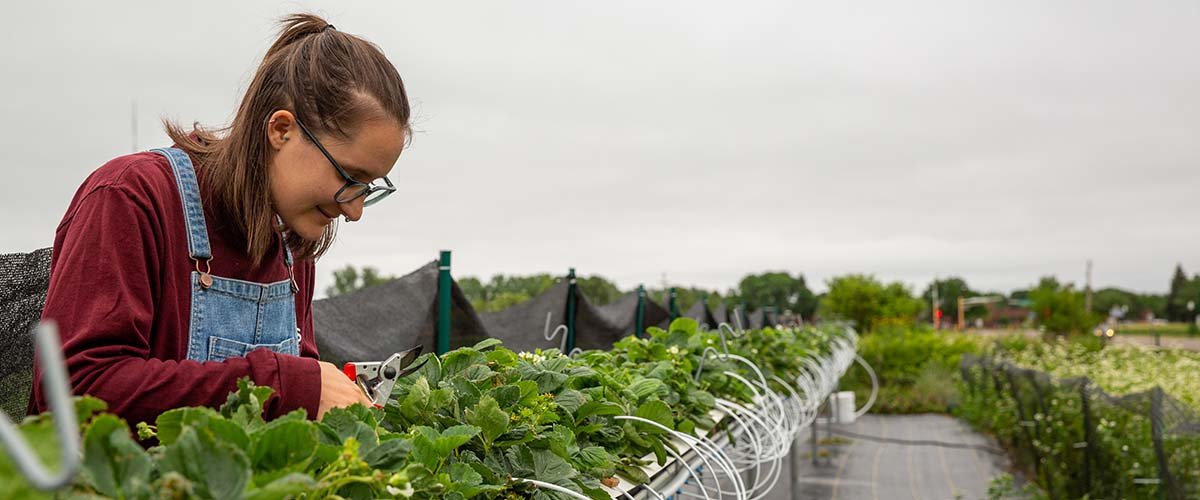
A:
(916, 368)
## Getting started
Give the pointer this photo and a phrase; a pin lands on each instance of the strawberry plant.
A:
(472, 423)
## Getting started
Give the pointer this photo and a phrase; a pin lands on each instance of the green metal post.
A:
(571, 297)
(639, 327)
(443, 303)
(672, 306)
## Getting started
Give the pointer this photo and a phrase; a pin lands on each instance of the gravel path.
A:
(858, 468)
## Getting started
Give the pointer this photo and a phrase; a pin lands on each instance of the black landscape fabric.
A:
(372, 323)
(24, 278)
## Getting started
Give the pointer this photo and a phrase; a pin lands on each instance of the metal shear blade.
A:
(377, 378)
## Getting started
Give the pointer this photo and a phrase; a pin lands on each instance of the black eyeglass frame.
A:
(366, 189)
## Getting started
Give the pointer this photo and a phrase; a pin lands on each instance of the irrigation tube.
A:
(714, 452)
(769, 427)
(555, 487)
(758, 490)
(754, 443)
(874, 387)
(683, 438)
(558, 330)
(691, 471)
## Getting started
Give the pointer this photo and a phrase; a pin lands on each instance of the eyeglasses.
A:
(353, 189)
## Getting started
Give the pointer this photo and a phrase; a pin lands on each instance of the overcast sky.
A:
(997, 141)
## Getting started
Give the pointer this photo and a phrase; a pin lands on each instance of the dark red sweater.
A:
(120, 292)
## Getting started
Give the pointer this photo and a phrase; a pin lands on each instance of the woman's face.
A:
(304, 183)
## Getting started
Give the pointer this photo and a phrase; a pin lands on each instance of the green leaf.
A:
(549, 381)
(458, 360)
(440, 398)
(414, 405)
(529, 390)
(454, 437)
(430, 368)
(478, 373)
(646, 387)
(113, 464)
(551, 468)
(466, 392)
(390, 455)
(215, 468)
(463, 476)
(347, 425)
(570, 400)
(245, 405)
(702, 398)
(283, 444)
(597, 408)
(656, 411)
(635, 475)
(424, 449)
(366, 414)
(86, 406)
(485, 344)
(506, 395)
(491, 420)
(593, 457)
(290, 486)
(172, 423)
(684, 325)
(560, 440)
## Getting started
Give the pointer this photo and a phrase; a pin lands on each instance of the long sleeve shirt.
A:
(120, 292)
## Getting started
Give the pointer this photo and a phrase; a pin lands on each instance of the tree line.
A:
(861, 298)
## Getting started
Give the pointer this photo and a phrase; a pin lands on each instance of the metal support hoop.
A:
(54, 375)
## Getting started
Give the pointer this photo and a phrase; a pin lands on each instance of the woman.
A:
(177, 271)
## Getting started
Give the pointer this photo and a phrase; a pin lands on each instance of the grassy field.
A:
(1167, 330)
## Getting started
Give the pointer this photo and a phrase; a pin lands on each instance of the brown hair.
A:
(331, 81)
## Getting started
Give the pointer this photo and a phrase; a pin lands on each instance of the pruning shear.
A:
(376, 378)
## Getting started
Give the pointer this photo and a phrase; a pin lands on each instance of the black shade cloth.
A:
(758, 319)
(24, 278)
(721, 314)
(522, 327)
(623, 313)
(372, 323)
(593, 330)
(699, 312)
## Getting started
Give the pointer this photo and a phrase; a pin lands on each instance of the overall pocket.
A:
(221, 348)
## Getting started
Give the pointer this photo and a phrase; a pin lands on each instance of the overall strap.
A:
(189, 195)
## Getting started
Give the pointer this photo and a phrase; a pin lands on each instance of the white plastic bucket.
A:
(845, 407)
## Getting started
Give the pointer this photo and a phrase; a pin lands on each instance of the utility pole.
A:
(1087, 297)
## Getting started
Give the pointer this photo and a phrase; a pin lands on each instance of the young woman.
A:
(177, 271)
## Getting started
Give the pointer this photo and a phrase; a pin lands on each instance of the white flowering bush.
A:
(1117, 369)
(1078, 419)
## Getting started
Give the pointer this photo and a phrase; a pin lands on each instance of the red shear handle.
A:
(349, 370)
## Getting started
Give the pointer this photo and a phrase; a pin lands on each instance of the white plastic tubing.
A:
(748, 461)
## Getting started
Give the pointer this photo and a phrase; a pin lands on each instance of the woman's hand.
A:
(337, 390)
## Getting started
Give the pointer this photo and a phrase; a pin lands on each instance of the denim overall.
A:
(230, 317)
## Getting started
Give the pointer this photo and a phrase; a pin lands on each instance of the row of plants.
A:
(467, 424)
(1088, 421)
